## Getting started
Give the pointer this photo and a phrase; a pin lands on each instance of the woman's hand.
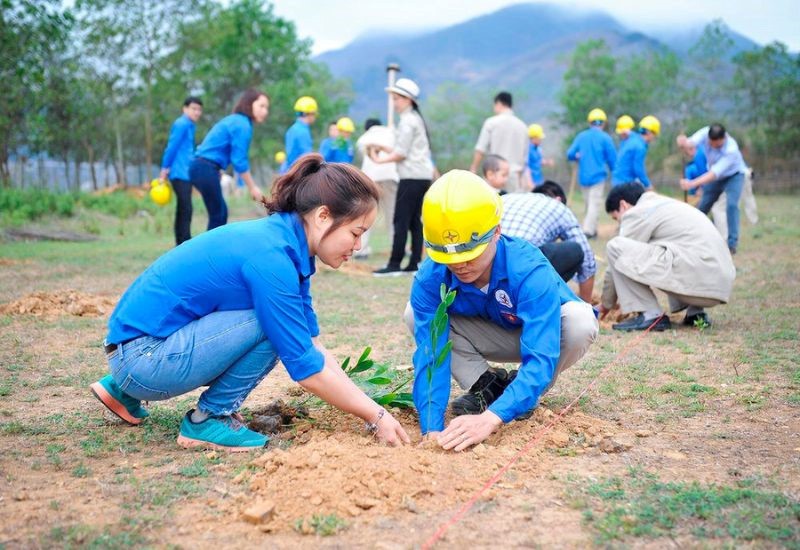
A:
(391, 432)
(256, 194)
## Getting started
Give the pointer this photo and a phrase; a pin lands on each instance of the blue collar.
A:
(307, 264)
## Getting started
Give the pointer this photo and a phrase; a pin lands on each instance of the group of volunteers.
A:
(221, 309)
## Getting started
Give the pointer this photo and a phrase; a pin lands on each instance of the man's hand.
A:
(603, 311)
(163, 175)
(256, 194)
(468, 430)
(686, 185)
(391, 432)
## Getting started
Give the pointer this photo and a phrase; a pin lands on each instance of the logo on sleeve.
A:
(503, 298)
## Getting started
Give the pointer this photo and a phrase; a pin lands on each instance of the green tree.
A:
(454, 114)
(767, 86)
(707, 74)
(30, 31)
(588, 82)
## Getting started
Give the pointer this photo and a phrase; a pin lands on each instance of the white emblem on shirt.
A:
(502, 296)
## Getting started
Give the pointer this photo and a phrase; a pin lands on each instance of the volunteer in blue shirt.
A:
(510, 306)
(535, 160)
(726, 171)
(633, 152)
(340, 148)
(228, 142)
(593, 149)
(175, 164)
(222, 309)
(326, 144)
(297, 140)
(697, 167)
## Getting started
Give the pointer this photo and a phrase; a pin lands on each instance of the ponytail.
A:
(311, 182)
(424, 125)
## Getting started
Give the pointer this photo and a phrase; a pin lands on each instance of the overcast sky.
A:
(333, 24)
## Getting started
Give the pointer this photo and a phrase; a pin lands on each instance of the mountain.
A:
(523, 48)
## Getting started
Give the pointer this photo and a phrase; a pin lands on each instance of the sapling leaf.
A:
(443, 354)
(379, 380)
(386, 399)
(450, 298)
(362, 366)
(442, 292)
(365, 354)
(345, 363)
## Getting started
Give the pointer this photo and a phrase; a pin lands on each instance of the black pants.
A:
(183, 213)
(205, 175)
(566, 257)
(408, 217)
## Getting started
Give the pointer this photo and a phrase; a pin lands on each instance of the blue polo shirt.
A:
(535, 163)
(337, 150)
(228, 142)
(297, 141)
(524, 292)
(180, 147)
(630, 161)
(696, 168)
(262, 264)
(596, 150)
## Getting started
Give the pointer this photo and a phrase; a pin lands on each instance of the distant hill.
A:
(523, 48)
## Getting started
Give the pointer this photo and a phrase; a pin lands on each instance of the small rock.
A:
(266, 424)
(260, 512)
(479, 449)
(615, 444)
(314, 459)
(409, 504)
(316, 500)
(22, 495)
(559, 439)
(366, 503)
(675, 455)
(643, 433)
(372, 453)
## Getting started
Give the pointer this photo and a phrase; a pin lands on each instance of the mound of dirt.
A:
(343, 471)
(65, 302)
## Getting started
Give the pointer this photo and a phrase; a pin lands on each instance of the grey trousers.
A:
(634, 296)
(477, 341)
(593, 197)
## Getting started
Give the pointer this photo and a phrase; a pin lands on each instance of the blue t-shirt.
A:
(596, 150)
(535, 164)
(696, 168)
(630, 161)
(228, 143)
(262, 264)
(524, 292)
(297, 141)
(180, 147)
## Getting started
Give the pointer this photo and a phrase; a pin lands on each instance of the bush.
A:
(22, 205)
(117, 203)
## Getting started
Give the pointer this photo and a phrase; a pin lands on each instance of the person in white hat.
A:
(412, 153)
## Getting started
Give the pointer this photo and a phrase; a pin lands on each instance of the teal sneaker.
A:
(225, 433)
(118, 402)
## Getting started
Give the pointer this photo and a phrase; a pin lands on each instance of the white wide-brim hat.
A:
(405, 87)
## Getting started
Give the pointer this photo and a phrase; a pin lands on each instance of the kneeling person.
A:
(510, 306)
(665, 244)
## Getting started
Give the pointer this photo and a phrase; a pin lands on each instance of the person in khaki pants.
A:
(510, 305)
(667, 245)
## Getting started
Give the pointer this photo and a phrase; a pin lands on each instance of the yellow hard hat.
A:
(306, 105)
(596, 114)
(160, 192)
(651, 124)
(535, 131)
(344, 124)
(625, 123)
(459, 215)
(280, 157)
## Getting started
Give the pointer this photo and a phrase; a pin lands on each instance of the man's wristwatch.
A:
(372, 427)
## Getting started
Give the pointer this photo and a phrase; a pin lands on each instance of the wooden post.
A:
(391, 75)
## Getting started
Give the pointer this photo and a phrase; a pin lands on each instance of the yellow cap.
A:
(306, 105)
(460, 213)
(535, 131)
(160, 192)
(624, 124)
(596, 114)
(280, 157)
(651, 124)
(344, 124)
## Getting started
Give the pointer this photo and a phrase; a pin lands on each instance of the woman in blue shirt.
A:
(227, 143)
(221, 310)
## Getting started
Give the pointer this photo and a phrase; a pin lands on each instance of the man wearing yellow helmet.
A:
(593, 150)
(633, 152)
(535, 160)
(280, 160)
(298, 140)
(338, 147)
(510, 306)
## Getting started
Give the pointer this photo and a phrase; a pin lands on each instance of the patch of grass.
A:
(81, 470)
(198, 468)
(53, 452)
(640, 505)
(84, 536)
(162, 492)
(322, 525)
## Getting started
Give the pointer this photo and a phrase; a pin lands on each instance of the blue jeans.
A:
(204, 175)
(225, 350)
(732, 186)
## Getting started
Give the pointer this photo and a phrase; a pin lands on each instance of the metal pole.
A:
(391, 74)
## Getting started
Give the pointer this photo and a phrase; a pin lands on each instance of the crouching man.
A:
(510, 306)
(665, 244)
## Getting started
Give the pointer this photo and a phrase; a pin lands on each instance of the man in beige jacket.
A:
(667, 245)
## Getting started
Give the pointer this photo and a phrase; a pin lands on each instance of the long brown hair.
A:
(245, 104)
(311, 182)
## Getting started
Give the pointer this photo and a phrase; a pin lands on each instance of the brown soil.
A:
(65, 302)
